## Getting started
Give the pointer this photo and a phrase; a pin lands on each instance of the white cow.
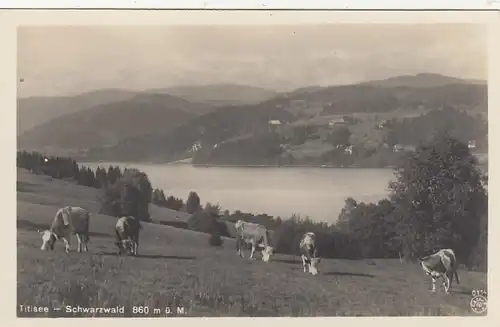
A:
(309, 253)
(254, 235)
(441, 264)
(68, 221)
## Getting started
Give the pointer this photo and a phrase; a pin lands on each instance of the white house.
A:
(472, 144)
(336, 121)
(400, 147)
(274, 122)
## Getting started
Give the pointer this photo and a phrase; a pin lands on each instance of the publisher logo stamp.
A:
(478, 304)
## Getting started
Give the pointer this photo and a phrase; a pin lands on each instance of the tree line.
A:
(438, 200)
(124, 192)
(458, 124)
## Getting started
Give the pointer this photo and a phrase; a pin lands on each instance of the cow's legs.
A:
(134, 247)
(446, 283)
(79, 239)
(304, 264)
(433, 284)
(67, 245)
(85, 243)
(253, 251)
(239, 251)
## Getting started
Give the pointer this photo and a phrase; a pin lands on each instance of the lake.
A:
(315, 192)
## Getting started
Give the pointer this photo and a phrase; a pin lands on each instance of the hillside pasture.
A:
(177, 267)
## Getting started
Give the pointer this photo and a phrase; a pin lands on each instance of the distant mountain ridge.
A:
(421, 80)
(219, 95)
(238, 122)
(33, 111)
(169, 126)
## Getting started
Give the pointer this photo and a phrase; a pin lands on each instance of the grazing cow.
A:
(68, 221)
(127, 235)
(254, 235)
(441, 264)
(309, 253)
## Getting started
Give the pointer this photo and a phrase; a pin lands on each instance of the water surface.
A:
(315, 192)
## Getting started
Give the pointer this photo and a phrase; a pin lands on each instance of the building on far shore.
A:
(336, 121)
(401, 147)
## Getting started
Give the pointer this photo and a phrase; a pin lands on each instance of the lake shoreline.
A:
(175, 163)
(482, 163)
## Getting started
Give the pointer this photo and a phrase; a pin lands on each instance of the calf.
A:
(68, 221)
(309, 253)
(127, 235)
(441, 264)
(254, 235)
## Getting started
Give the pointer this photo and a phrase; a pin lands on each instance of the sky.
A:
(67, 60)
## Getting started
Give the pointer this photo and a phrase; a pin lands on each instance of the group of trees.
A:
(129, 195)
(158, 198)
(420, 130)
(438, 200)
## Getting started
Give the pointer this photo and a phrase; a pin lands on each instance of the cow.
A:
(127, 235)
(309, 253)
(254, 235)
(68, 221)
(442, 264)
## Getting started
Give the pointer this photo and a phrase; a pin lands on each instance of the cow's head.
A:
(267, 252)
(48, 240)
(313, 268)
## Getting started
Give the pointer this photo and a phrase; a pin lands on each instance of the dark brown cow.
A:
(127, 235)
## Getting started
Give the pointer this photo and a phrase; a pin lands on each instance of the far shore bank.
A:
(481, 157)
(229, 166)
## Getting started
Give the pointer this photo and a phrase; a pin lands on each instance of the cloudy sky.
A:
(71, 60)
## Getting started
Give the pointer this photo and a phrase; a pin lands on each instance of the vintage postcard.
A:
(252, 164)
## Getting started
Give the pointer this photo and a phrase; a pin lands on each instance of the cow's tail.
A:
(87, 229)
(118, 239)
(238, 243)
(456, 275)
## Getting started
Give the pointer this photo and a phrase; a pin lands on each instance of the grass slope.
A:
(176, 267)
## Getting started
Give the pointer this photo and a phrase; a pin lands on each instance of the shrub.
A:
(207, 223)
(215, 240)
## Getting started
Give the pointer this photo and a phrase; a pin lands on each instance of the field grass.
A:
(177, 268)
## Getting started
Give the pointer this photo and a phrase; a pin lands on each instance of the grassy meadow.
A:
(177, 268)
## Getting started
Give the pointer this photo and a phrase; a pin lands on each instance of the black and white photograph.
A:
(267, 170)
